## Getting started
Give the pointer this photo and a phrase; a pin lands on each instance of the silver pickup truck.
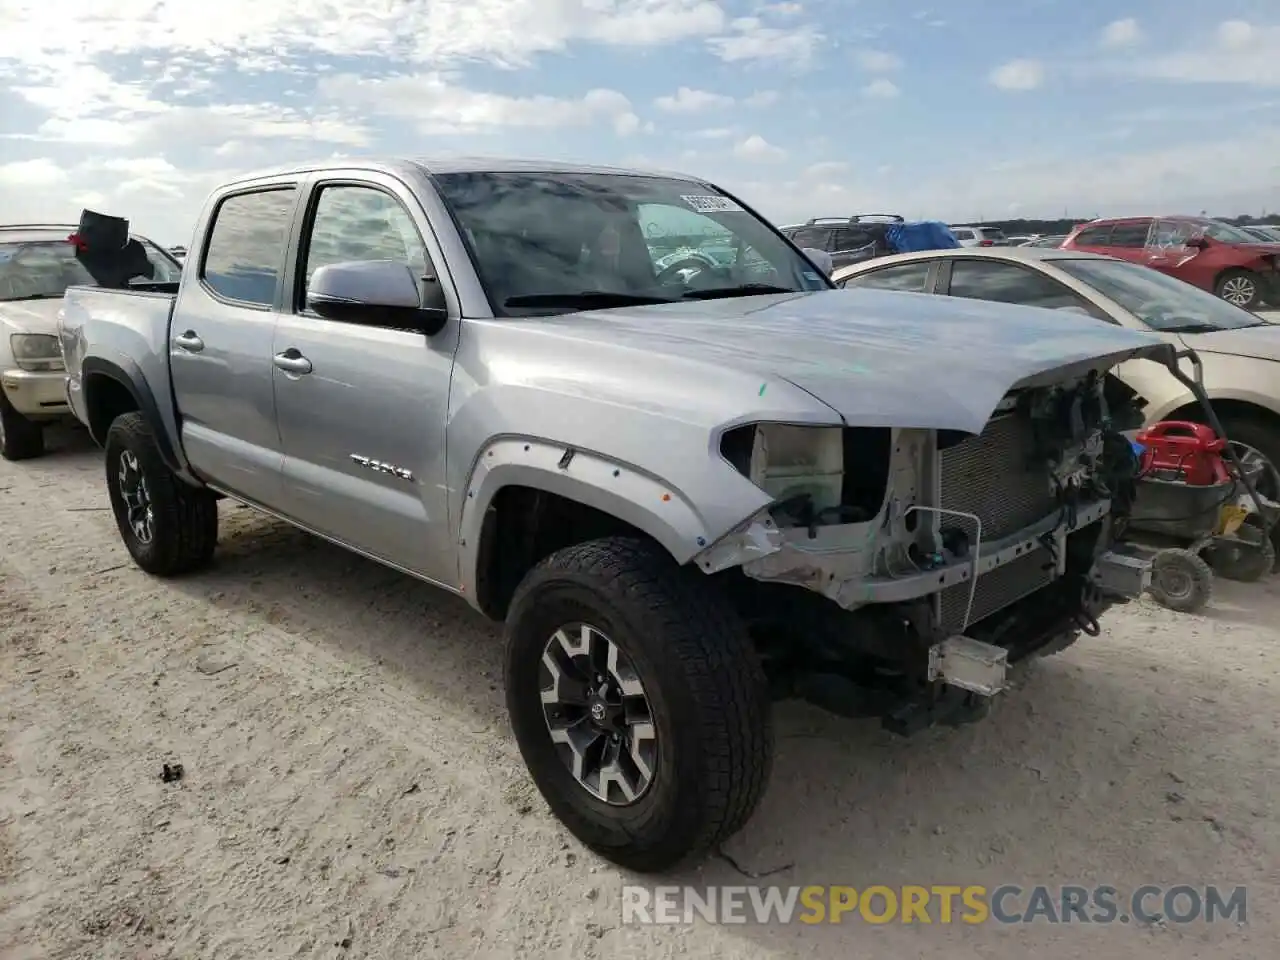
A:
(688, 493)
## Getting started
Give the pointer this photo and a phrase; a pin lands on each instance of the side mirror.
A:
(820, 258)
(380, 293)
(1196, 243)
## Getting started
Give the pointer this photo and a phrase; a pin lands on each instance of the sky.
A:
(961, 110)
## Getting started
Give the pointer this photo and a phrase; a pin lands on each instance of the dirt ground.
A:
(350, 788)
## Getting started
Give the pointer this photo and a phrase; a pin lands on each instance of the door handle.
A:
(189, 341)
(291, 361)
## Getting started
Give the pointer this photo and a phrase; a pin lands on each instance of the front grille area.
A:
(994, 476)
(996, 590)
(990, 475)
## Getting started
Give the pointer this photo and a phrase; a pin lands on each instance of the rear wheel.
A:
(637, 701)
(168, 526)
(20, 438)
(1241, 287)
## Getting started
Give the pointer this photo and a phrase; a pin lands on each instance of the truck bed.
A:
(126, 327)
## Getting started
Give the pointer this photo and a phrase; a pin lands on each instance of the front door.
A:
(220, 344)
(362, 406)
(1167, 250)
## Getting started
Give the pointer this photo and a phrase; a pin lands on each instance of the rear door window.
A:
(1130, 234)
(908, 277)
(1099, 236)
(245, 249)
(814, 237)
(1003, 282)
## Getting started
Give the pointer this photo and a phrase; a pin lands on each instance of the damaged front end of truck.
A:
(904, 571)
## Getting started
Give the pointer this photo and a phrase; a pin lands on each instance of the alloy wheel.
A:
(597, 713)
(137, 497)
(1239, 290)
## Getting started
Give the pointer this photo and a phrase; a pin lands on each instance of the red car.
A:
(1209, 254)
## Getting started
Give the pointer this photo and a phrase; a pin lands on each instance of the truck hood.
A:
(1261, 342)
(877, 358)
(30, 316)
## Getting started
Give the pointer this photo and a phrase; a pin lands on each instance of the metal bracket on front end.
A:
(1120, 575)
(969, 664)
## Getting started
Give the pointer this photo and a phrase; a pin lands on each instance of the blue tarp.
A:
(921, 235)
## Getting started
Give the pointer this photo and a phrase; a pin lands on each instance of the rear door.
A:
(220, 342)
(1128, 240)
(363, 427)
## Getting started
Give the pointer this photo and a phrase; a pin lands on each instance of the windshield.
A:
(550, 242)
(1225, 232)
(1161, 302)
(43, 269)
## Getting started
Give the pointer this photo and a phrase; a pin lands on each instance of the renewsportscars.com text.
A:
(937, 903)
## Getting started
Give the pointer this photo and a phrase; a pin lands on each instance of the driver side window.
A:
(355, 223)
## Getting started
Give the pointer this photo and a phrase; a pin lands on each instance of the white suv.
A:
(980, 237)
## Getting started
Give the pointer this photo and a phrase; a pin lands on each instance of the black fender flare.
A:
(127, 373)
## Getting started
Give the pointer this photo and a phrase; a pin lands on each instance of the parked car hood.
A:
(877, 358)
(30, 316)
(1261, 342)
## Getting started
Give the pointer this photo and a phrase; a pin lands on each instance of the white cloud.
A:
(881, 89)
(438, 105)
(784, 9)
(763, 98)
(1240, 53)
(46, 34)
(826, 168)
(751, 39)
(757, 148)
(688, 100)
(1121, 33)
(879, 61)
(1018, 75)
(40, 172)
(714, 133)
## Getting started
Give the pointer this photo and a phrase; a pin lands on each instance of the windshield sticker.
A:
(811, 277)
(713, 204)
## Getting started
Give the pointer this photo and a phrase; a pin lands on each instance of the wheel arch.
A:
(527, 499)
(1227, 408)
(116, 386)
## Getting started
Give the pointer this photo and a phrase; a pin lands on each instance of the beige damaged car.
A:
(1240, 350)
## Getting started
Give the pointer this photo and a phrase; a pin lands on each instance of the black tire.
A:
(20, 438)
(707, 695)
(183, 519)
(1232, 283)
(1181, 580)
(1265, 439)
(1247, 559)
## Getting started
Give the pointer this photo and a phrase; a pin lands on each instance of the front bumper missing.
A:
(983, 668)
(835, 561)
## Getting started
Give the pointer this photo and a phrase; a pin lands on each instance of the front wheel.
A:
(637, 701)
(1241, 287)
(168, 526)
(20, 438)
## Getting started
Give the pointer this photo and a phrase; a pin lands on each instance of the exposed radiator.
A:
(996, 590)
(992, 475)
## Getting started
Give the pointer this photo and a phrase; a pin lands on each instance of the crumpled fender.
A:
(634, 496)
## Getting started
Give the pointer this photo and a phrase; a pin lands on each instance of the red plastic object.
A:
(1189, 452)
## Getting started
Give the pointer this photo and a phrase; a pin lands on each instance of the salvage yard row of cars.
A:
(689, 486)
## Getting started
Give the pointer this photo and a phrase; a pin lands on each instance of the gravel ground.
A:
(350, 787)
